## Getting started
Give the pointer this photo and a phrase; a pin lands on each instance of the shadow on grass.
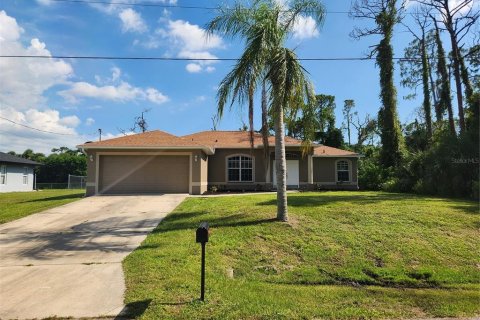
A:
(55, 198)
(177, 303)
(191, 220)
(470, 209)
(133, 310)
(414, 280)
(306, 200)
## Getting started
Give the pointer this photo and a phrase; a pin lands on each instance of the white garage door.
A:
(143, 174)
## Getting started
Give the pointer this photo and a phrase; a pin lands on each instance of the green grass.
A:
(16, 205)
(344, 255)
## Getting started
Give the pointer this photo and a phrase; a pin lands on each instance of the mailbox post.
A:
(202, 238)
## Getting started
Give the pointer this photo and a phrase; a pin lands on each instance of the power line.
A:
(172, 6)
(160, 5)
(190, 59)
(138, 4)
(32, 128)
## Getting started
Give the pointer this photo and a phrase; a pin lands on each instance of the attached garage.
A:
(137, 174)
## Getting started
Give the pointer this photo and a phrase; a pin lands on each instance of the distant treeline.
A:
(58, 165)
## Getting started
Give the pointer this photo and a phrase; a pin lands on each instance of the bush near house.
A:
(57, 165)
(448, 168)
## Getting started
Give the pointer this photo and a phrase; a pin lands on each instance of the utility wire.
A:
(32, 128)
(171, 6)
(190, 59)
(159, 5)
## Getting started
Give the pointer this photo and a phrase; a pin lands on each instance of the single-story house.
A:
(159, 162)
(16, 174)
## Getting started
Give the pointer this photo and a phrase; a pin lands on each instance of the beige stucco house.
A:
(159, 162)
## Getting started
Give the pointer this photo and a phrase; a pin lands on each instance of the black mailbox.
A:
(202, 233)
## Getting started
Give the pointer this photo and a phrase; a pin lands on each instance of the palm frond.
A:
(302, 8)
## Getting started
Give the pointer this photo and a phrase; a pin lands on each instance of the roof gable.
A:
(150, 139)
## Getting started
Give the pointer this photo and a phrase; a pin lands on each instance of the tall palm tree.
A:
(265, 27)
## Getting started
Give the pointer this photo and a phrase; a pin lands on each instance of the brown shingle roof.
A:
(234, 139)
(148, 139)
(206, 140)
(325, 151)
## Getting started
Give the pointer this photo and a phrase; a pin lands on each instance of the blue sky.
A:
(76, 97)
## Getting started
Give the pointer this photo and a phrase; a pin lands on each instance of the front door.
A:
(293, 177)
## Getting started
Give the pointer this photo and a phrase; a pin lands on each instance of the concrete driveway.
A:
(67, 261)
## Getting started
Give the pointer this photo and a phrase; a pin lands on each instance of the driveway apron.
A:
(67, 261)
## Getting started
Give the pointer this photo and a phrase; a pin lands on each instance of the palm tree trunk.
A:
(250, 116)
(266, 147)
(280, 165)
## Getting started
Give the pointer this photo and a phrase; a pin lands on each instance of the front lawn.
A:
(343, 255)
(16, 205)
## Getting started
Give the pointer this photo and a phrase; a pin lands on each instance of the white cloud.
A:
(198, 65)
(191, 41)
(122, 92)
(23, 87)
(305, 28)
(191, 37)
(25, 80)
(132, 21)
(110, 135)
(111, 89)
(18, 138)
(116, 73)
(23, 84)
(452, 4)
(155, 96)
(193, 68)
(196, 55)
(151, 42)
(69, 121)
(45, 2)
(129, 17)
(9, 29)
(201, 98)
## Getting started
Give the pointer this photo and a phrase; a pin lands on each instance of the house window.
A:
(3, 174)
(25, 175)
(343, 171)
(240, 169)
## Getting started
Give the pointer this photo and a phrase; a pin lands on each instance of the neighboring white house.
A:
(16, 174)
